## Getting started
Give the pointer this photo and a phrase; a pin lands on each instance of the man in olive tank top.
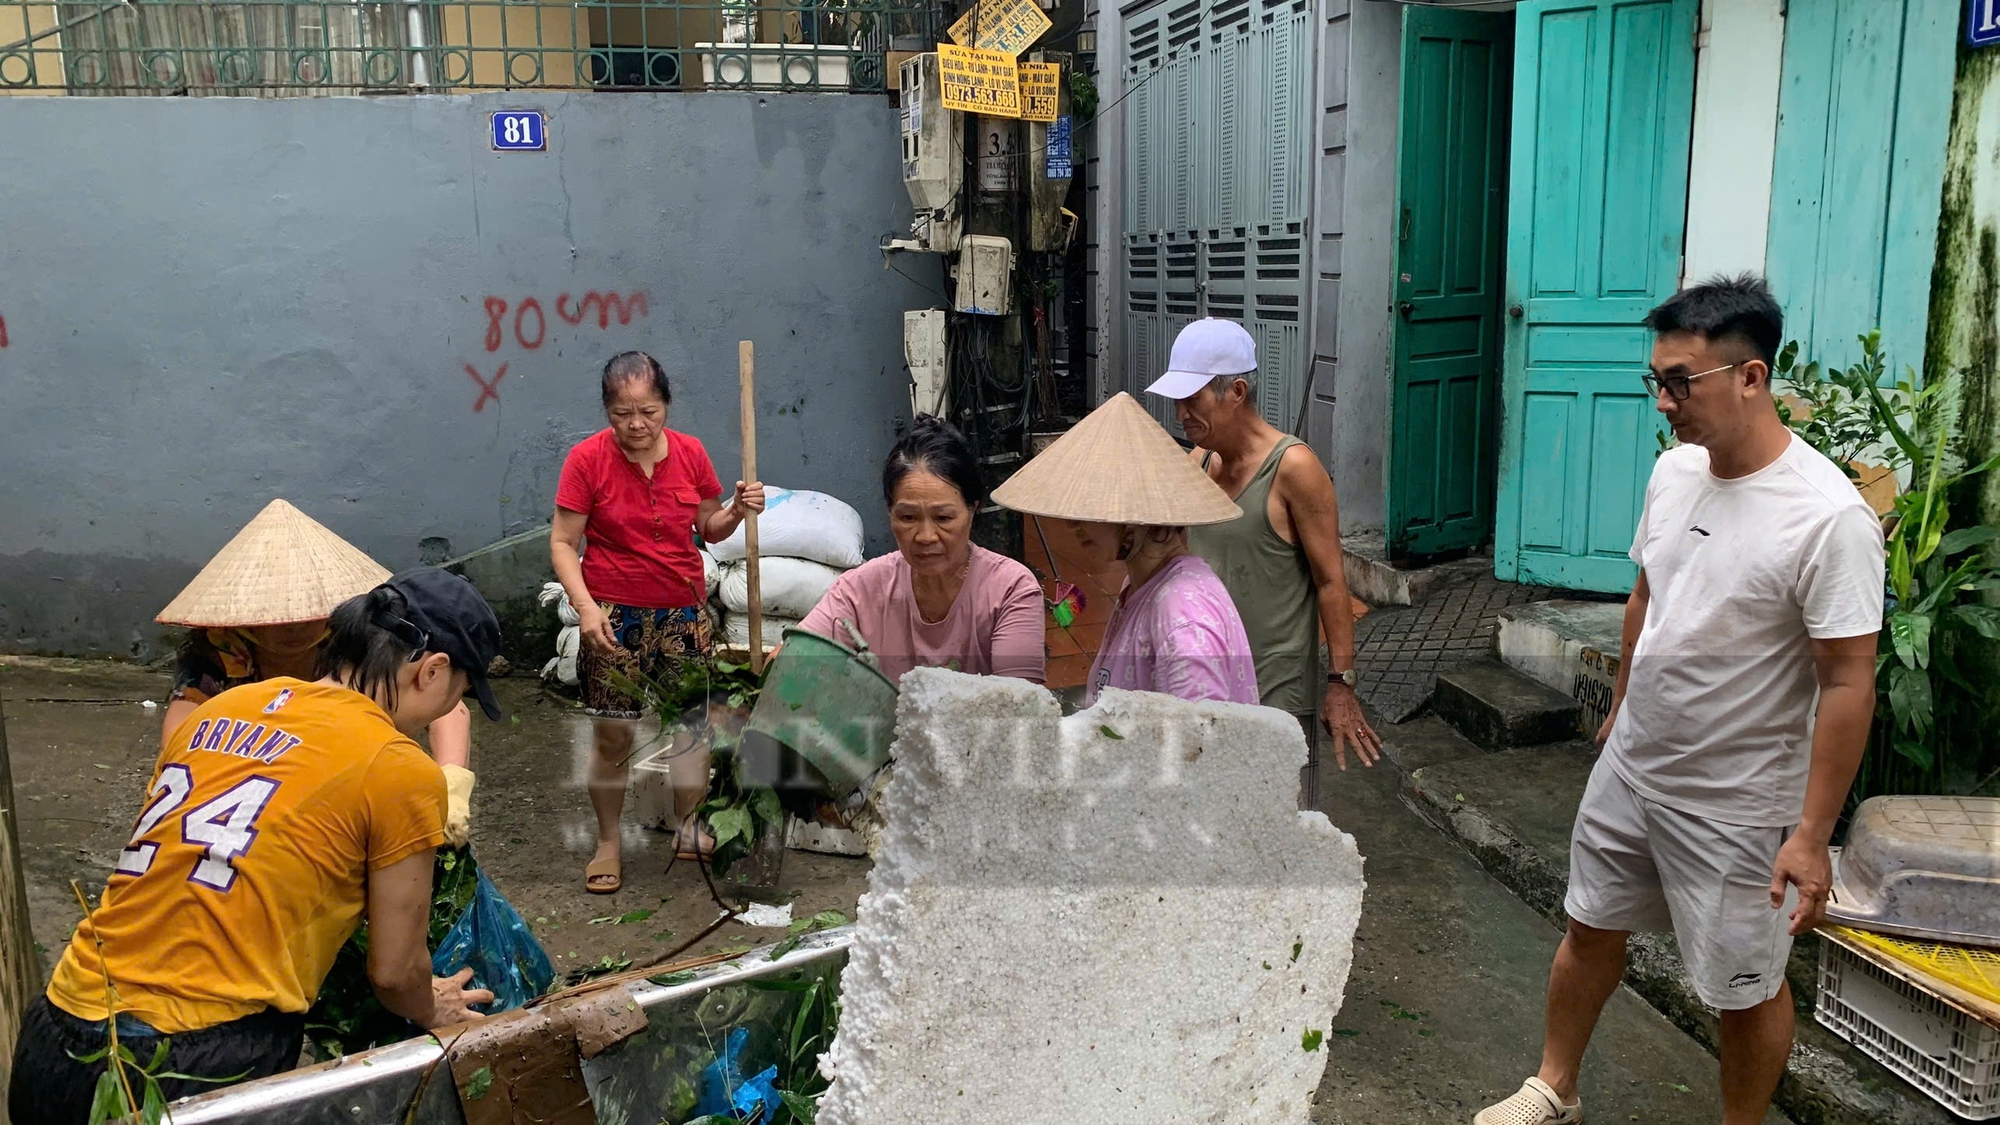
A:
(1282, 560)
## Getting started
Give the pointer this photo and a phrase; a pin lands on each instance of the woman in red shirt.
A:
(636, 492)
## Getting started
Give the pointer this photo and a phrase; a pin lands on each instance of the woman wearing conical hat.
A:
(259, 610)
(1121, 487)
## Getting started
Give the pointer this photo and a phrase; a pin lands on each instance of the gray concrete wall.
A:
(210, 302)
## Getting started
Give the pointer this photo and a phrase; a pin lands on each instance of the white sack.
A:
(562, 666)
(553, 593)
(736, 629)
(710, 571)
(801, 525)
(787, 587)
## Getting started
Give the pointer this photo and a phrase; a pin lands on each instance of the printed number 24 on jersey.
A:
(226, 825)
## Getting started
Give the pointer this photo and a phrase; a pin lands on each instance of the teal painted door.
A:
(1597, 207)
(1863, 110)
(1451, 184)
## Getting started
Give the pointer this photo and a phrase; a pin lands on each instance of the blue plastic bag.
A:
(726, 1093)
(505, 957)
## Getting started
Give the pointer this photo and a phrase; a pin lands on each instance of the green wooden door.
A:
(1451, 182)
(1859, 174)
(1597, 207)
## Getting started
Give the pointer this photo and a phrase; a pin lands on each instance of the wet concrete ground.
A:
(83, 746)
(1444, 1005)
(1443, 1010)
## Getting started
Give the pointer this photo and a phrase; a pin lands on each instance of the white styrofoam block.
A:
(811, 836)
(1118, 916)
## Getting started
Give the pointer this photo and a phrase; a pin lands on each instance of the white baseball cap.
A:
(1205, 349)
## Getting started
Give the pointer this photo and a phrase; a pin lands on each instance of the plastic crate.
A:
(1936, 1047)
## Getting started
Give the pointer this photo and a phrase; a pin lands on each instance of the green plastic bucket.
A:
(831, 707)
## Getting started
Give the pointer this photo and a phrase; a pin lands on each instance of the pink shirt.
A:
(993, 629)
(1178, 634)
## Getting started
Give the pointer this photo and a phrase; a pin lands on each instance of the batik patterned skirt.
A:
(653, 644)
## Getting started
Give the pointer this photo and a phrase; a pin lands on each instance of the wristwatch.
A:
(1348, 677)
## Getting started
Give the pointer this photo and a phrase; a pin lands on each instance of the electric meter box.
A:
(924, 352)
(985, 275)
(933, 156)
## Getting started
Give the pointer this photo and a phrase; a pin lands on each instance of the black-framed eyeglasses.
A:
(1678, 386)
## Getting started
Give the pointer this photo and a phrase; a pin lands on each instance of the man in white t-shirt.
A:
(1743, 703)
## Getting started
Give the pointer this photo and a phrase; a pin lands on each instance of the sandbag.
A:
(736, 629)
(554, 594)
(801, 525)
(562, 666)
(711, 572)
(787, 587)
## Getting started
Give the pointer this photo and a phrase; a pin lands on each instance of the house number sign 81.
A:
(1982, 23)
(520, 130)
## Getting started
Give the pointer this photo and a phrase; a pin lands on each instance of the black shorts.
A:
(50, 1087)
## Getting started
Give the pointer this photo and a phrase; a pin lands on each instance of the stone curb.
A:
(1819, 1087)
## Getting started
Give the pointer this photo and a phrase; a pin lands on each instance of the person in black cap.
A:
(280, 815)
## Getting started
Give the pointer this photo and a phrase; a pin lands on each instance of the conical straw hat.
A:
(1117, 466)
(281, 568)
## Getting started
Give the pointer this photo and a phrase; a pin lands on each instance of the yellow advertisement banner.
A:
(1007, 26)
(976, 81)
(1039, 85)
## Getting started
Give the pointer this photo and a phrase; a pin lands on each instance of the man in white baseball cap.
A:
(1281, 562)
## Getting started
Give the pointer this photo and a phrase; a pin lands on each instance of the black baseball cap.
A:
(455, 620)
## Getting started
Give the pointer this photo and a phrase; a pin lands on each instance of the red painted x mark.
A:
(487, 388)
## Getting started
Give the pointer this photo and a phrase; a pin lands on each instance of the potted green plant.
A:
(1929, 712)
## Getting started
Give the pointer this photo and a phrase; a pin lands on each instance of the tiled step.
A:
(1373, 579)
(1498, 708)
(1570, 647)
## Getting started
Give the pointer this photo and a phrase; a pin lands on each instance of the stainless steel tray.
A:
(629, 1085)
(1921, 867)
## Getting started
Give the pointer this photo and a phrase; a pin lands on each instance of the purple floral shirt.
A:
(1178, 634)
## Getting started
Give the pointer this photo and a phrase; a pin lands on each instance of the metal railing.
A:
(289, 48)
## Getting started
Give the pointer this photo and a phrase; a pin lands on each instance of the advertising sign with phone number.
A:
(976, 81)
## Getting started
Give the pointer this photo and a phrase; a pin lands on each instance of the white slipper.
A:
(1533, 1104)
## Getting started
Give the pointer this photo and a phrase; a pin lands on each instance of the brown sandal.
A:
(603, 869)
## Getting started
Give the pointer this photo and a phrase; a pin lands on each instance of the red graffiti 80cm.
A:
(531, 325)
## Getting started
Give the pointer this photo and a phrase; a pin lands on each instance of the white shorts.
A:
(1635, 864)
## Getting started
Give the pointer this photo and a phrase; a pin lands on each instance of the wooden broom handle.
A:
(746, 376)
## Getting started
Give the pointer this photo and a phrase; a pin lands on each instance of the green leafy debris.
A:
(480, 1082)
(825, 919)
